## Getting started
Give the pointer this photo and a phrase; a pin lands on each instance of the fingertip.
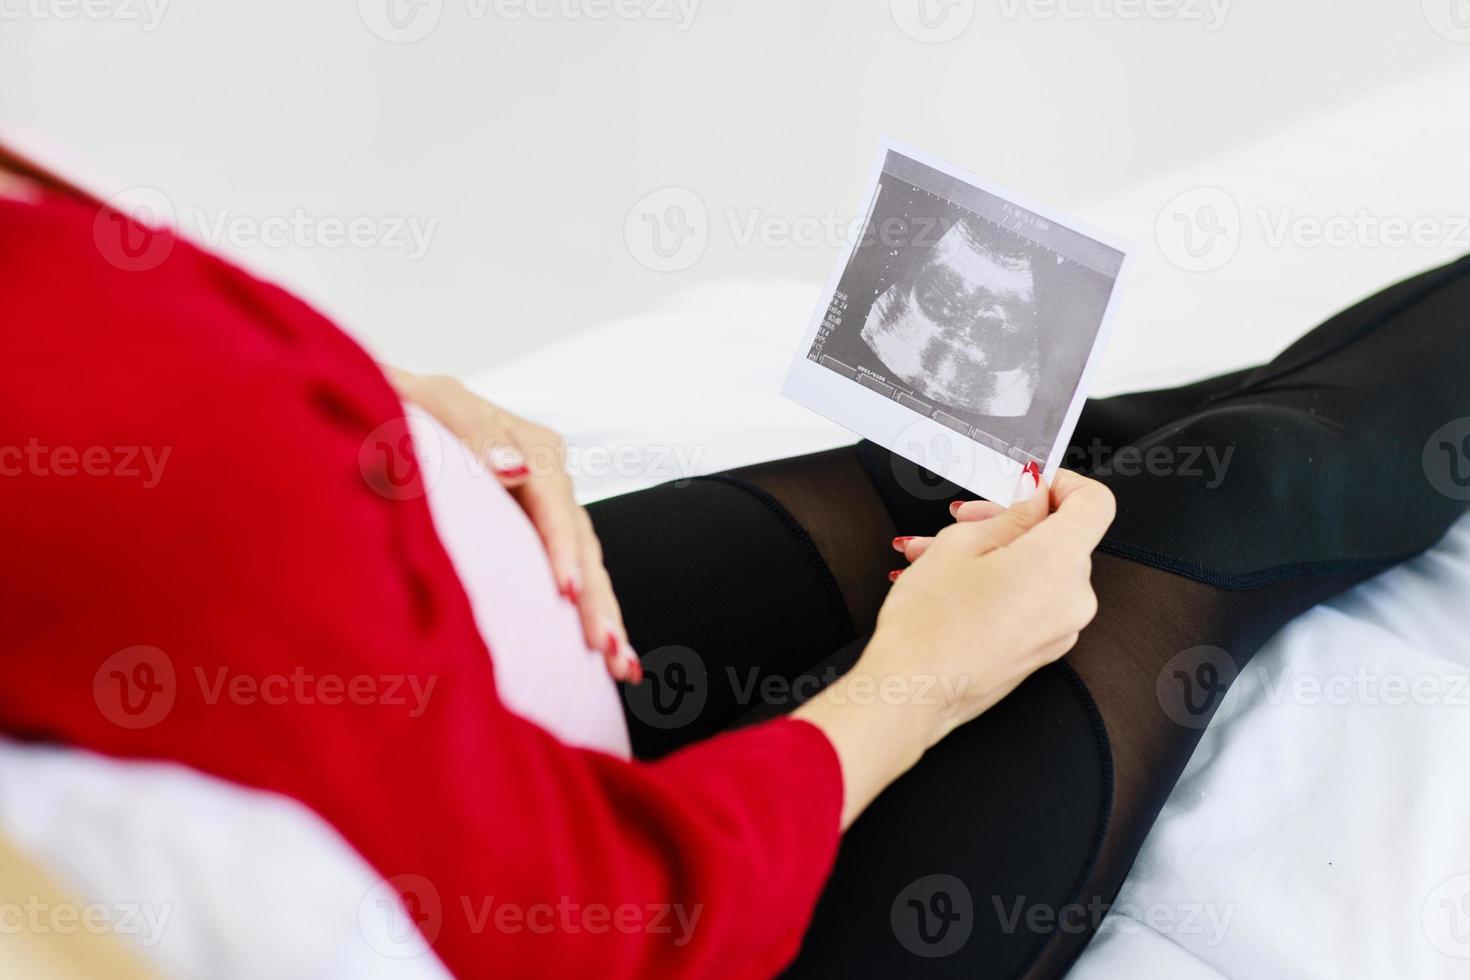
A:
(605, 642)
(1032, 500)
(509, 464)
(978, 510)
(632, 666)
(570, 585)
(915, 547)
(625, 671)
(622, 662)
(567, 572)
(1028, 482)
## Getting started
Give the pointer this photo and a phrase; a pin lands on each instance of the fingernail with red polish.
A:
(893, 575)
(954, 507)
(1028, 482)
(572, 588)
(899, 544)
(508, 462)
(632, 667)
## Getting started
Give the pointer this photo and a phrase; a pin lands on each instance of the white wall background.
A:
(527, 140)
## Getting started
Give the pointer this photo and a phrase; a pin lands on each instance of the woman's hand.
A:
(997, 595)
(986, 603)
(530, 462)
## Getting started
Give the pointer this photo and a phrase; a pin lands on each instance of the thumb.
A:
(1030, 500)
(1032, 503)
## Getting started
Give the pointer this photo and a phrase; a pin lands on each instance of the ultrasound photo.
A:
(963, 308)
(962, 328)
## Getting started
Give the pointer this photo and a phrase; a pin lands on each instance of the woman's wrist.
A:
(877, 726)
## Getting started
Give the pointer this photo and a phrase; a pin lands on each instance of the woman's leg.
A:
(1242, 501)
(725, 594)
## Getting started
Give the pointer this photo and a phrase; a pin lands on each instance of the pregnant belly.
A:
(543, 669)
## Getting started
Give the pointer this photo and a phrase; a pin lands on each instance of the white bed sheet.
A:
(1327, 838)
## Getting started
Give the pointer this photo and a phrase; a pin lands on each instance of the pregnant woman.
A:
(836, 774)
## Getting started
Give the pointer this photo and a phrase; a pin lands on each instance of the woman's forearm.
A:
(876, 728)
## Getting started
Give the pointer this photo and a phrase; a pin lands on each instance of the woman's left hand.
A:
(530, 461)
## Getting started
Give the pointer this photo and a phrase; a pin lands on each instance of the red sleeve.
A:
(214, 556)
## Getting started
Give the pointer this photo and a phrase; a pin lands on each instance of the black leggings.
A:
(1242, 501)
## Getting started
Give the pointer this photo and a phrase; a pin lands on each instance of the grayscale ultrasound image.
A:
(962, 328)
(972, 312)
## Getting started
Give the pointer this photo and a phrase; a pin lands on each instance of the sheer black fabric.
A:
(1242, 501)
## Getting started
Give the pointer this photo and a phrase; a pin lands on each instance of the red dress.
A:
(206, 560)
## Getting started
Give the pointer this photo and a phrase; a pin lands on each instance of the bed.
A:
(1319, 830)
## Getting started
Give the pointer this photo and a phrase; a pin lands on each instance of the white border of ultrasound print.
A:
(979, 468)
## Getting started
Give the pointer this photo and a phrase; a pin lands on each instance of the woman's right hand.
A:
(987, 602)
(994, 597)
